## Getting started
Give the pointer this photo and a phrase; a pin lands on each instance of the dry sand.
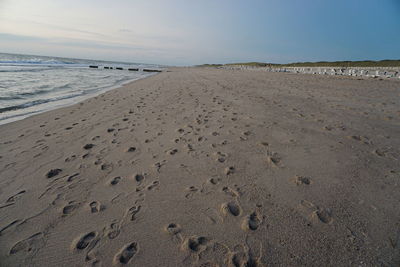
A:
(207, 167)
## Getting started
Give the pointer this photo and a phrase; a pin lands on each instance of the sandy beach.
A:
(208, 167)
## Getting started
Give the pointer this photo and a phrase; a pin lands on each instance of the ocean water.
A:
(33, 84)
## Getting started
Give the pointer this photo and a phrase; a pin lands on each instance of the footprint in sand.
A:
(190, 147)
(53, 172)
(274, 159)
(302, 180)
(264, 143)
(192, 190)
(85, 241)
(173, 229)
(113, 230)
(158, 165)
(88, 146)
(153, 185)
(247, 133)
(229, 170)
(251, 222)
(230, 191)
(172, 151)
(220, 157)
(231, 208)
(360, 138)
(106, 166)
(323, 215)
(115, 180)
(195, 244)
(125, 255)
(70, 208)
(379, 152)
(131, 149)
(138, 177)
(213, 181)
(317, 214)
(95, 207)
(30, 245)
(131, 212)
(243, 258)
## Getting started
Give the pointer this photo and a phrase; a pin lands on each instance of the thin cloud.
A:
(124, 30)
(57, 27)
(17, 37)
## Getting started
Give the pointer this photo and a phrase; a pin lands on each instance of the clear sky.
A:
(187, 32)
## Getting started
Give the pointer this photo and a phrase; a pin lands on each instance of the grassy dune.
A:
(365, 63)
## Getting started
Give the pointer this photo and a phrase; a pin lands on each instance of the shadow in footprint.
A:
(88, 146)
(127, 253)
(131, 149)
(252, 222)
(139, 177)
(231, 208)
(115, 180)
(53, 172)
(70, 208)
(324, 215)
(86, 240)
(95, 207)
(195, 244)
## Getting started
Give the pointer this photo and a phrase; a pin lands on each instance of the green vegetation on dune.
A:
(364, 63)
(254, 64)
(210, 65)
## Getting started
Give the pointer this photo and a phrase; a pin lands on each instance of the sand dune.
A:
(206, 167)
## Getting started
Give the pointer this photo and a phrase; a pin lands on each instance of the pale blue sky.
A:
(186, 32)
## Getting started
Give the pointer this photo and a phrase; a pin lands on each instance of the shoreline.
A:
(216, 167)
(65, 103)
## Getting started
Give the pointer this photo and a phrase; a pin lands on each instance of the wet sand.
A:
(207, 167)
